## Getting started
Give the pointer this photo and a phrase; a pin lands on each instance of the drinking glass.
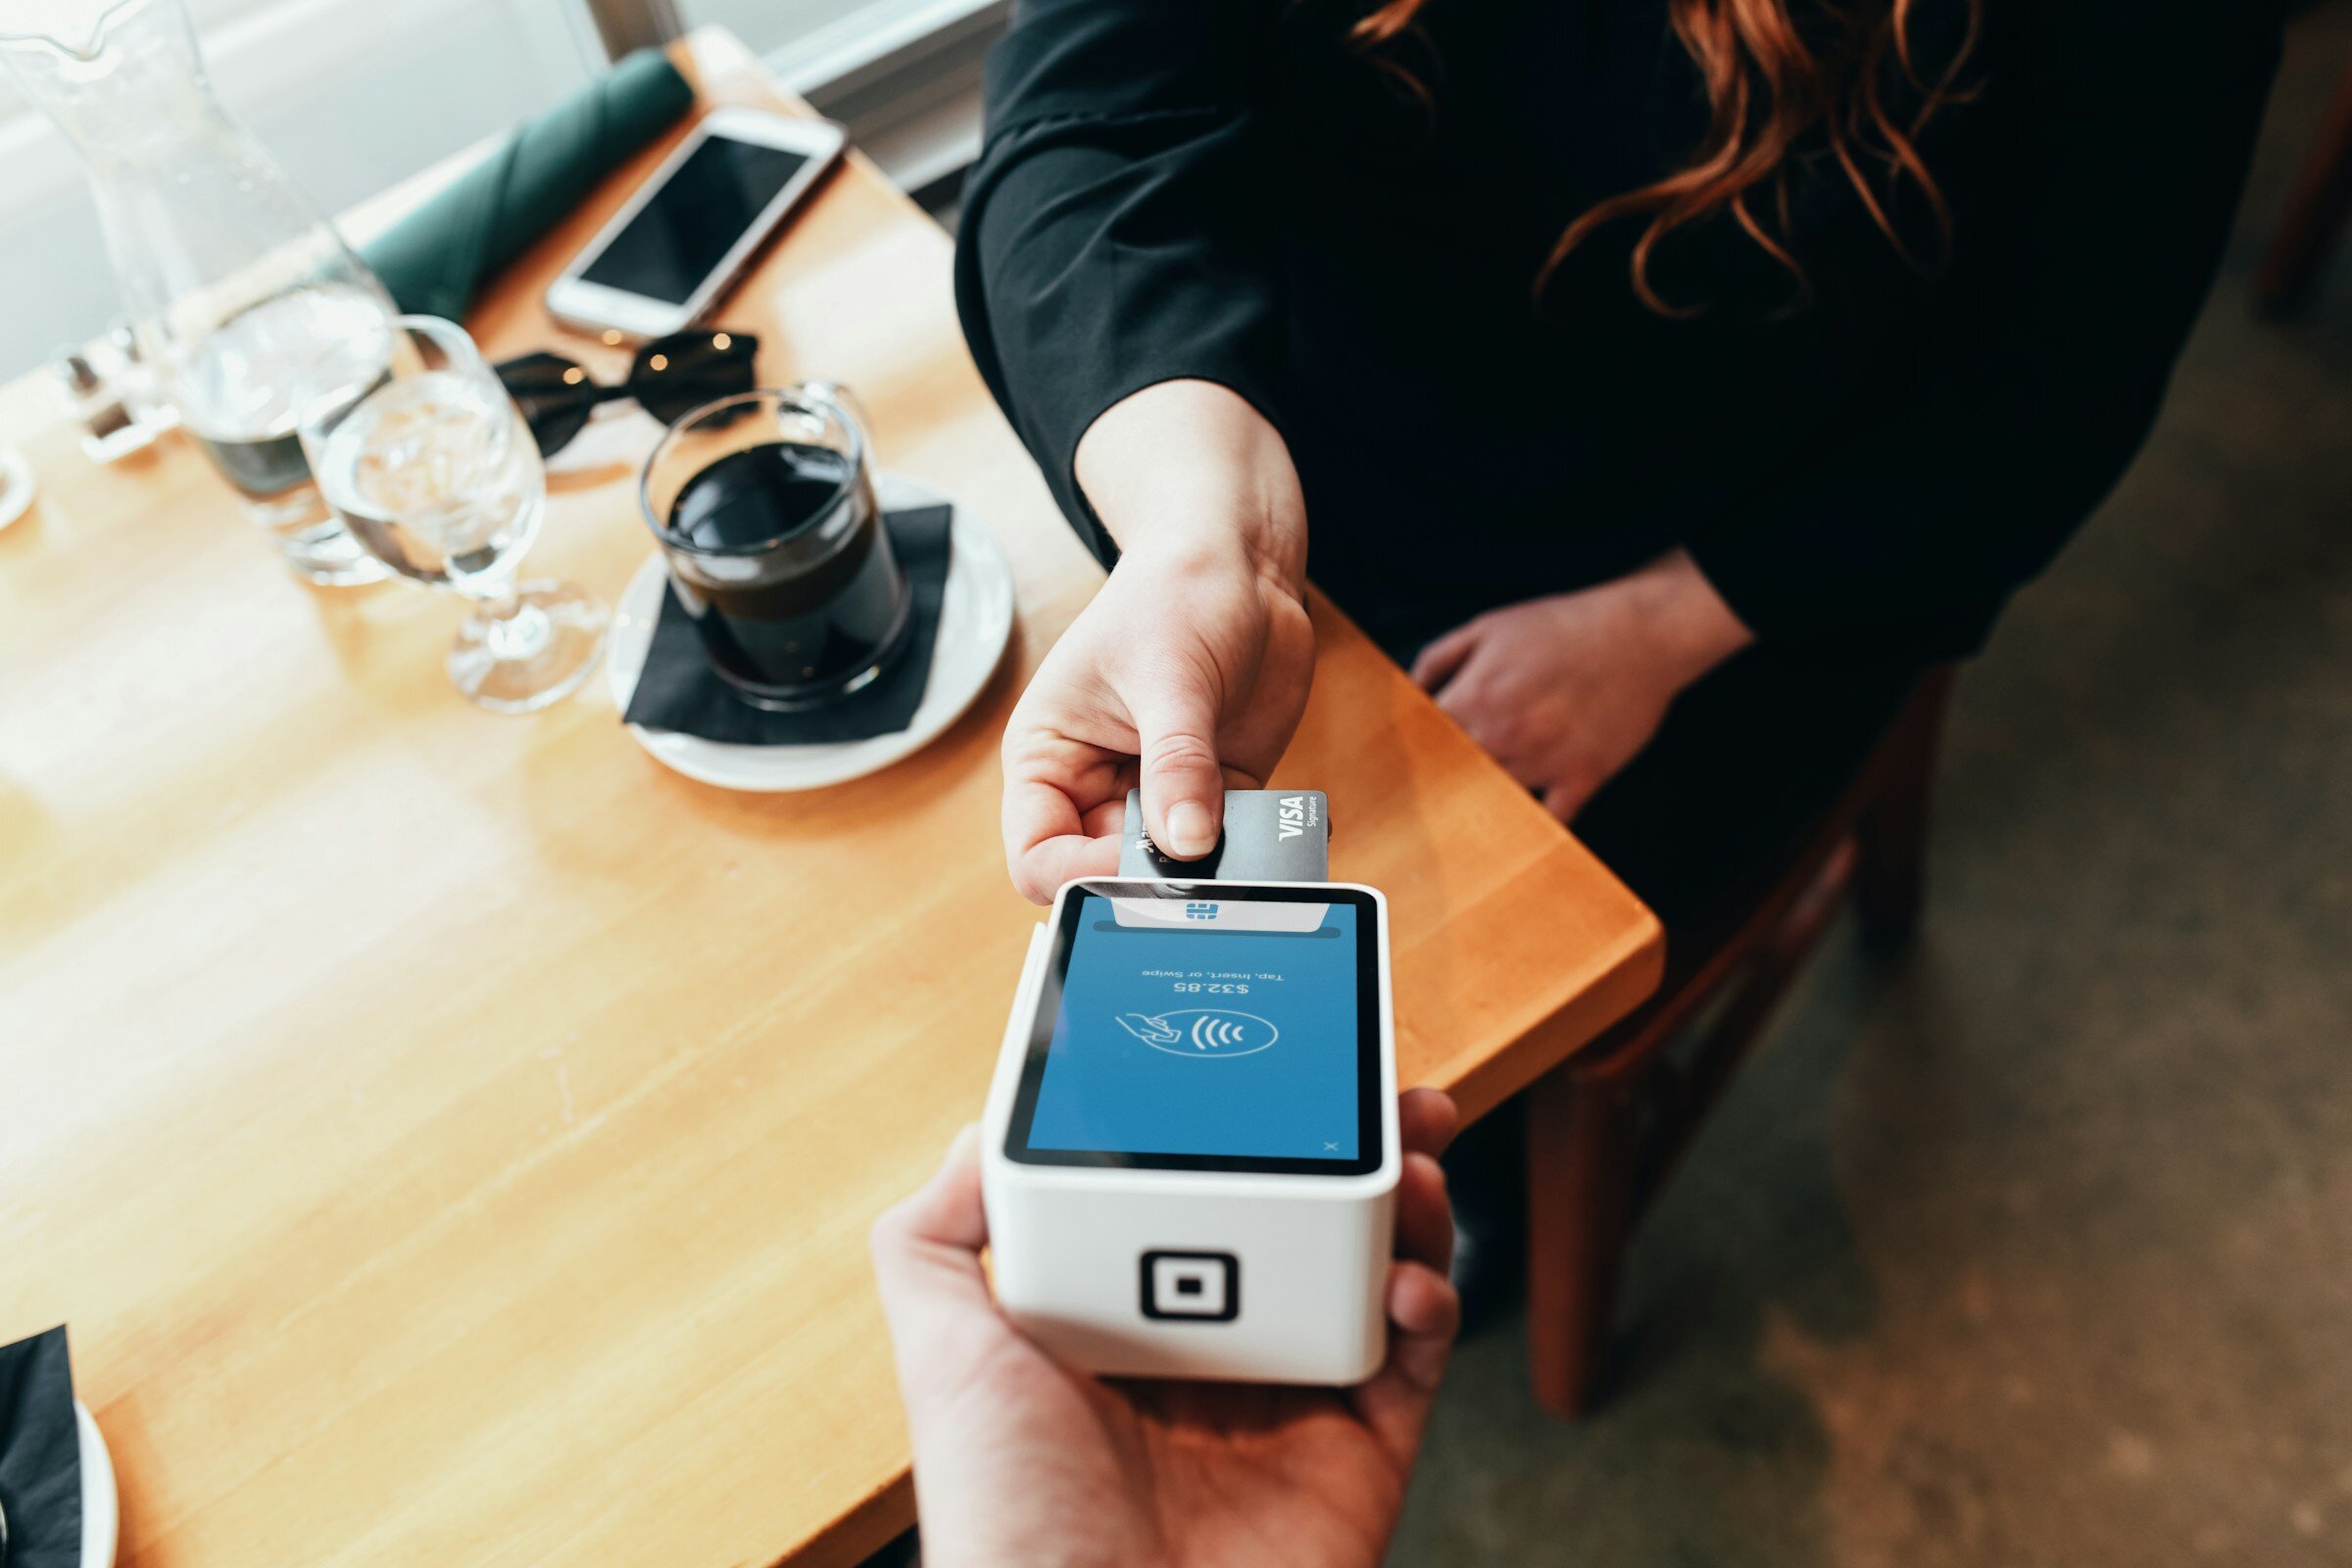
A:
(435, 475)
(764, 504)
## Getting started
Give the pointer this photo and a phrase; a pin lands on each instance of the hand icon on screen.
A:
(1151, 1031)
(1202, 1031)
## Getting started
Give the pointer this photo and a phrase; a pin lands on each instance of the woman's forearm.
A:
(1186, 470)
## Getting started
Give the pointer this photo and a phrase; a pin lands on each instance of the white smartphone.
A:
(668, 254)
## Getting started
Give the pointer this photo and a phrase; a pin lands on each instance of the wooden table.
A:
(452, 1137)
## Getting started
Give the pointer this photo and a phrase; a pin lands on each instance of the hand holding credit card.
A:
(1186, 673)
(1268, 836)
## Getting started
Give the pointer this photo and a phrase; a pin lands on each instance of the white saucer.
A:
(98, 1503)
(975, 621)
(15, 484)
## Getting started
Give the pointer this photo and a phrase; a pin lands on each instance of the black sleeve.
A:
(1114, 232)
(1957, 479)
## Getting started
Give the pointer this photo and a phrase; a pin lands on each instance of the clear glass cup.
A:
(764, 504)
(436, 476)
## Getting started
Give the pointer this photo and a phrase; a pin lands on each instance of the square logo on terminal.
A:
(1196, 1287)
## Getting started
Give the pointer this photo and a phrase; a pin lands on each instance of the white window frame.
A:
(903, 74)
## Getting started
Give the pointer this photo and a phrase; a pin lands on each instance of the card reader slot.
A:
(1319, 934)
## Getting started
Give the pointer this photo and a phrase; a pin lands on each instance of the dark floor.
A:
(2035, 1250)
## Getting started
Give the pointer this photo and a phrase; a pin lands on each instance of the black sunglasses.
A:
(670, 377)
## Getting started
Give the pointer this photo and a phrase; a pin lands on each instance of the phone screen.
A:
(691, 222)
(1210, 1029)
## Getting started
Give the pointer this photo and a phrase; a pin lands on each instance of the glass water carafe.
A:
(240, 291)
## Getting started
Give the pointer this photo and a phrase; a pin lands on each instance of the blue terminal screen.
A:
(1209, 1029)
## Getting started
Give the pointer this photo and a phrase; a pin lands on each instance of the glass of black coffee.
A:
(765, 507)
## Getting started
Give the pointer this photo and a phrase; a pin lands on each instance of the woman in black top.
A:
(1741, 356)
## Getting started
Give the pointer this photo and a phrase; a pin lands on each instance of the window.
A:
(349, 96)
(353, 95)
(766, 26)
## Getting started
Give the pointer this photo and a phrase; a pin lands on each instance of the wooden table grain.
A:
(452, 1137)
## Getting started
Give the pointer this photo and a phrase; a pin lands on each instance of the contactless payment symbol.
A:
(1201, 1032)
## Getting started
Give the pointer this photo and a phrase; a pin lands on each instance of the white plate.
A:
(98, 1505)
(975, 621)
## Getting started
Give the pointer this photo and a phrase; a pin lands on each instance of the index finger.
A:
(940, 1226)
(1054, 825)
(1040, 871)
(1427, 1120)
(1438, 662)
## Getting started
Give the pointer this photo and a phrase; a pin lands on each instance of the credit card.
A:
(1270, 836)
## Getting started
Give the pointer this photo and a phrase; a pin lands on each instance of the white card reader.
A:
(1190, 1154)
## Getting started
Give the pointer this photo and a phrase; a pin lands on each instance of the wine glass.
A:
(435, 475)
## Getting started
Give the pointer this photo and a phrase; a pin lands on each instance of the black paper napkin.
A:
(41, 1454)
(677, 690)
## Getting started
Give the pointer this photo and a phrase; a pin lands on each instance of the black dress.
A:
(1865, 466)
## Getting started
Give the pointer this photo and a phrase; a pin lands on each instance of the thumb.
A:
(1184, 788)
(926, 1247)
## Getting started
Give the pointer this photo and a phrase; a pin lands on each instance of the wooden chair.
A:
(2315, 214)
(1605, 1127)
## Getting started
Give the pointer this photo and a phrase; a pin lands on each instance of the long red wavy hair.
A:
(1769, 89)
